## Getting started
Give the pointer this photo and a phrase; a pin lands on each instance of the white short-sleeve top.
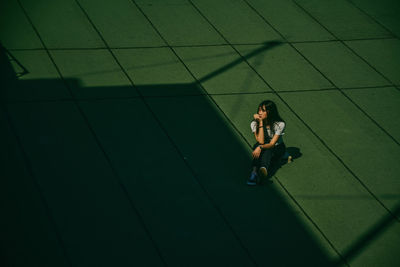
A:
(277, 129)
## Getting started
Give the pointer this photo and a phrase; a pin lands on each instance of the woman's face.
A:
(262, 112)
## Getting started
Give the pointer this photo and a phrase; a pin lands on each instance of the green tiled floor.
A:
(15, 29)
(63, 25)
(340, 65)
(84, 197)
(183, 199)
(133, 28)
(145, 69)
(97, 72)
(126, 140)
(180, 24)
(285, 69)
(24, 244)
(235, 20)
(347, 133)
(380, 111)
(294, 25)
(343, 19)
(383, 55)
(383, 12)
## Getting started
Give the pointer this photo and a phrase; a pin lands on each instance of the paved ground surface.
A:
(125, 137)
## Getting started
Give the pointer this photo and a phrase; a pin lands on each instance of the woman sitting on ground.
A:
(268, 128)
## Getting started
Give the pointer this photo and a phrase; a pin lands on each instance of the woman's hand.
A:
(256, 153)
(257, 117)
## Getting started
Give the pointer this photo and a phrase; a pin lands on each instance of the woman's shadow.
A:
(291, 154)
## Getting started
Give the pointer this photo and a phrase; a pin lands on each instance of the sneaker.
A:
(263, 172)
(286, 158)
(252, 179)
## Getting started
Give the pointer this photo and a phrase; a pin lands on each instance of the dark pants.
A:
(269, 156)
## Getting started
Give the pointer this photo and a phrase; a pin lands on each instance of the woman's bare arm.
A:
(272, 143)
(260, 135)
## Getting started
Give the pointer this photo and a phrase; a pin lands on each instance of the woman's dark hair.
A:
(273, 115)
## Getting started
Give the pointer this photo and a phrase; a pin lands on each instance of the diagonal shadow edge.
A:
(265, 47)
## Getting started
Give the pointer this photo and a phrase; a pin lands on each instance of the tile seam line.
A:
(94, 99)
(338, 88)
(91, 130)
(29, 169)
(236, 236)
(301, 208)
(374, 19)
(161, 126)
(345, 44)
(316, 135)
(192, 45)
